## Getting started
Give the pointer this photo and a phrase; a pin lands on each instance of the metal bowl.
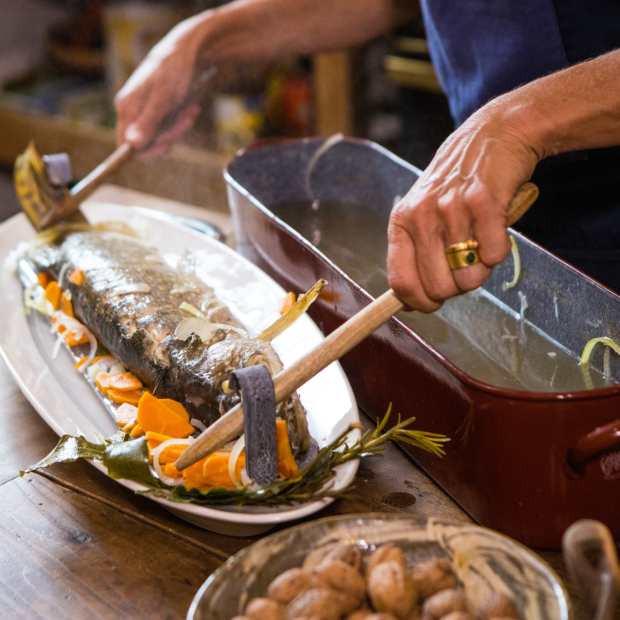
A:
(482, 559)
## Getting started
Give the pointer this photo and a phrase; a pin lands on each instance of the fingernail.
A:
(133, 135)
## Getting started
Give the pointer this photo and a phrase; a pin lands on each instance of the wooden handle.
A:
(339, 342)
(113, 162)
(599, 582)
(333, 347)
(522, 201)
(96, 177)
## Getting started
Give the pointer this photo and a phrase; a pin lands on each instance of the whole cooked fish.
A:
(131, 300)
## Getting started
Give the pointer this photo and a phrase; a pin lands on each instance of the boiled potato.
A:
(319, 603)
(264, 609)
(444, 602)
(390, 588)
(385, 553)
(341, 576)
(432, 576)
(285, 587)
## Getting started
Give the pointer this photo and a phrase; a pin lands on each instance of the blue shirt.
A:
(483, 48)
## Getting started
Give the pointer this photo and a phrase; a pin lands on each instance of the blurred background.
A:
(61, 62)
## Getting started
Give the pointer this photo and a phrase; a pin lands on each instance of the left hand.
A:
(463, 194)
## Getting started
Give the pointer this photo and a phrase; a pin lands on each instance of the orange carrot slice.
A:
(171, 470)
(153, 439)
(136, 431)
(65, 304)
(171, 454)
(123, 397)
(102, 380)
(59, 327)
(125, 382)
(212, 471)
(75, 340)
(52, 294)
(76, 277)
(43, 279)
(163, 415)
(287, 465)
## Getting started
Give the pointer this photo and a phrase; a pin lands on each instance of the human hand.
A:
(158, 88)
(463, 194)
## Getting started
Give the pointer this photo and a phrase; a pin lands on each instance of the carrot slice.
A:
(163, 415)
(287, 465)
(43, 279)
(125, 382)
(153, 439)
(171, 454)
(136, 431)
(59, 327)
(74, 340)
(212, 471)
(102, 380)
(76, 277)
(65, 304)
(52, 294)
(171, 470)
(123, 397)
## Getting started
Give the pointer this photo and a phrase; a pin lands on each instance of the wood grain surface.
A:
(74, 544)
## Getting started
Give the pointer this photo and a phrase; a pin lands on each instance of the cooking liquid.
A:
(475, 331)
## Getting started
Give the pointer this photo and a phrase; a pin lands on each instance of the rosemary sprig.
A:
(128, 459)
(315, 481)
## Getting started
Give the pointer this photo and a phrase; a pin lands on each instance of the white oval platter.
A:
(69, 405)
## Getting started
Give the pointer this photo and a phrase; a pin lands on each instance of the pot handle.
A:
(592, 562)
(594, 443)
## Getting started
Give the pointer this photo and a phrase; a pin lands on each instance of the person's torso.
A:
(483, 48)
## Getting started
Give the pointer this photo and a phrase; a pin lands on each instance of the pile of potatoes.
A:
(341, 583)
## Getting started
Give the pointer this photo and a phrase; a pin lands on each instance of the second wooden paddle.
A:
(339, 342)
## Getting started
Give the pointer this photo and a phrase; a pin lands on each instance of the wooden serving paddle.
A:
(333, 347)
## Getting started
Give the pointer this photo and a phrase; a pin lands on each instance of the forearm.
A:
(574, 109)
(262, 30)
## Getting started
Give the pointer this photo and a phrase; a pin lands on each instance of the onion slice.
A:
(125, 414)
(34, 297)
(516, 259)
(196, 423)
(589, 347)
(63, 271)
(57, 345)
(73, 325)
(232, 461)
(156, 453)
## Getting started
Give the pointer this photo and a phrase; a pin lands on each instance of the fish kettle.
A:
(535, 438)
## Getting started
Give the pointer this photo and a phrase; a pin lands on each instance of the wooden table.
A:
(75, 544)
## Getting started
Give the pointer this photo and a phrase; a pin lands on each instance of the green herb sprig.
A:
(128, 459)
(315, 481)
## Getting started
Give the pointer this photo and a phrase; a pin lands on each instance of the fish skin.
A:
(138, 327)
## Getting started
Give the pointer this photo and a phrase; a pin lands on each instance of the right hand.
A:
(158, 88)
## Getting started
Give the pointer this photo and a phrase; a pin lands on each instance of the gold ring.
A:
(463, 254)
